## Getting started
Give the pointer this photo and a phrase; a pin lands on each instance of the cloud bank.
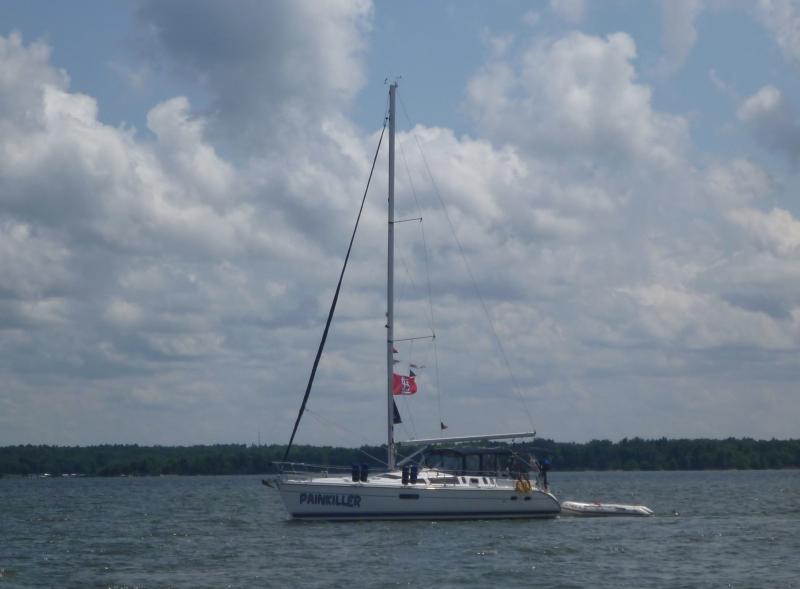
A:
(169, 286)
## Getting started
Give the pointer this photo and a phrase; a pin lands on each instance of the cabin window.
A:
(473, 464)
(448, 462)
(489, 463)
(442, 480)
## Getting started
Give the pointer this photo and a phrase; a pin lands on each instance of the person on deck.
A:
(544, 467)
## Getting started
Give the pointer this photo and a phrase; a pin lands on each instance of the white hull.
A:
(342, 499)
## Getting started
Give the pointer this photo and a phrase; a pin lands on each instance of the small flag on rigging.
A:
(396, 419)
(403, 385)
(442, 425)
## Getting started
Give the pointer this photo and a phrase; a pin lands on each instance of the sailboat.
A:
(439, 480)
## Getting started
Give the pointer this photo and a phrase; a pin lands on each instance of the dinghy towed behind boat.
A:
(434, 482)
(595, 509)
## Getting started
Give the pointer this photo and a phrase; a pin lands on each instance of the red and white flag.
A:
(403, 385)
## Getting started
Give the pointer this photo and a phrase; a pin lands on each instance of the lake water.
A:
(712, 529)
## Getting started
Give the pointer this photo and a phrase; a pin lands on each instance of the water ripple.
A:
(735, 529)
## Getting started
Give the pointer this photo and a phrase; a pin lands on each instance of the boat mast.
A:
(390, 447)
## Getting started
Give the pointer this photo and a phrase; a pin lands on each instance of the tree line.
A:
(229, 459)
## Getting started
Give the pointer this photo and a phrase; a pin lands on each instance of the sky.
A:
(610, 235)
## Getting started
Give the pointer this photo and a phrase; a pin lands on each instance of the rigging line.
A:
(427, 266)
(403, 286)
(422, 228)
(407, 409)
(416, 293)
(325, 421)
(413, 339)
(335, 296)
(436, 372)
(407, 398)
(410, 276)
(514, 384)
(406, 401)
(411, 285)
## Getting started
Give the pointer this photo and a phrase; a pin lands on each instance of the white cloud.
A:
(115, 251)
(777, 229)
(31, 263)
(176, 287)
(123, 313)
(772, 120)
(137, 78)
(264, 63)
(182, 149)
(736, 183)
(572, 11)
(24, 75)
(576, 95)
(782, 18)
(678, 32)
(498, 44)
(664, 272)
(767, 100)
(531, 18)
(722, 85)
(697, 320)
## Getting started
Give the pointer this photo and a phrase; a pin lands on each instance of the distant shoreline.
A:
(12, 477)
(634, 454)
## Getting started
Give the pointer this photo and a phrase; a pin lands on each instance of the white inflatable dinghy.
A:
(603, 509)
